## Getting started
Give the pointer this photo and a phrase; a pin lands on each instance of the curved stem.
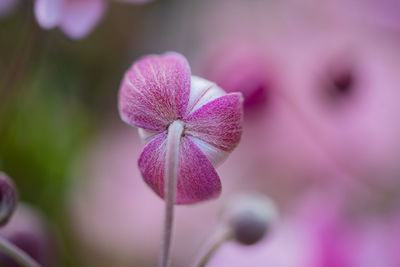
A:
(175, 131)
(220, 237)
(17, 254)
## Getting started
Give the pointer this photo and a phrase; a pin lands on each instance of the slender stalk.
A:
(175, 131)
(220, 237)
(17, 254)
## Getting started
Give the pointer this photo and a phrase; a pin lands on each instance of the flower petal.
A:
(215, 155)
(218, 123)
(152, 163)
(155, 91)
(48, 12)
(197, 178)
(80, 17)
(202, 91)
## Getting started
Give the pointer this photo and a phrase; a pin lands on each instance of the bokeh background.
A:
(321, 137)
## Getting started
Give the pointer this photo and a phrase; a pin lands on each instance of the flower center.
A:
(177, 124)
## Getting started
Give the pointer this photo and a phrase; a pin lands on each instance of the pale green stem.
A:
(220, 237)
(175, 131)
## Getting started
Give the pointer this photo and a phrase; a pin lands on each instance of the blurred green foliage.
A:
(55, 94)
(59, 92)
(41, 136)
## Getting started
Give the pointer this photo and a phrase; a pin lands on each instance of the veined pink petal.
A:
(215, 155)
(81, 16)
(155, 91)
(197, 178)
(48, 12)
(152, 163)
(218, 123)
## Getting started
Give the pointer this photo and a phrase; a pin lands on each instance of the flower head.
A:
(159, 90)
(241, 67)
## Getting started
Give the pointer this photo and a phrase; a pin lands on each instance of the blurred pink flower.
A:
(28, 231)
(76, 18)
(321, 233)
(347, 102)
(349, 233)
(331, 105)
(288, 246)
(158, 91)
(240, 67)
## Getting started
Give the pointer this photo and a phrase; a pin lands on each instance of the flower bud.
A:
(8, 198)
(250, 217)
(29, 231)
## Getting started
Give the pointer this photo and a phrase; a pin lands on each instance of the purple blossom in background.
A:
(76, 18)
(158, 91)
(321, 232)
(7, 6)
(240, 67)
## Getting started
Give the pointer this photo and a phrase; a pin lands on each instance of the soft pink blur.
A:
(309, 127)
(328, 117)
(321, 233)
(118, 219)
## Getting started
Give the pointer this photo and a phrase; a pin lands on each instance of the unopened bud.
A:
(8, 198)
(250, 217)
(28, 230)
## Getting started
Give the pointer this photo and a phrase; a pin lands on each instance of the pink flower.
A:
(240, 67)
(107, 213)
(158, 91)
(76, 18)
(288, 246)
(325, 229)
